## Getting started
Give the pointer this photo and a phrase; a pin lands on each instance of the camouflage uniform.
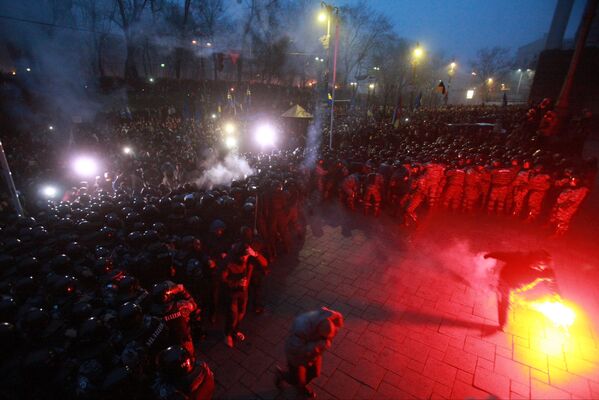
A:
(472, 188)
(373, 193)
(565, 207)
(519, 191)
(350, 190)
(500, 185)
(435, 180)
(485, 184)
(538, 185)
(418, 192)
(454, 188)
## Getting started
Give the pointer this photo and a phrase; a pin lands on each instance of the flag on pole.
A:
(418, 101)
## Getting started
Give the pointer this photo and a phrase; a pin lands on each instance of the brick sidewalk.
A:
(420, 320)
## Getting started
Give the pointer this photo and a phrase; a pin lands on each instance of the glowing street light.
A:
(51, 128)
(213, 116)
(417, 54)
(473, 73)
(127, 150)
(371, 86)
(14, 73)
(151, 80)
(194, 42)
(452, 65)
(162, 65)
(85, 166)
(229, 128)
(265, 135)
(490, 81)
(208, 44)
(322, 16)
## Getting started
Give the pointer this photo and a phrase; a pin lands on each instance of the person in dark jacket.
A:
(520, 272)
(311, 335)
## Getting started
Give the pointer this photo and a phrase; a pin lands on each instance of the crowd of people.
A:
(450, 174)
(108, 292)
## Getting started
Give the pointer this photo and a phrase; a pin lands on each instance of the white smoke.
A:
(456, 258)
(222, 172)
(314, 138)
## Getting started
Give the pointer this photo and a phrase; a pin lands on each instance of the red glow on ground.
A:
(556, 338)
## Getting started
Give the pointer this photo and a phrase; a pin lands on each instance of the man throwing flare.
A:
(311, 334)
(521, 272)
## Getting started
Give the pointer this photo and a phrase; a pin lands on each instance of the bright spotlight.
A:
(127, 150)
(151, 80)
(49, 191)
(265, 135)
(51, 127)
(213, 116)
(162, 65)
(230, 142)
(28, 69)
(229, 128)
(85, 166)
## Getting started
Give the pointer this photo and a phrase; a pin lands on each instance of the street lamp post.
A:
(450, 73)
(417, 54)
(332, 12)
(519, 81)
(489, 88)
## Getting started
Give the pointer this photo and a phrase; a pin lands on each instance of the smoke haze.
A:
(221, 172)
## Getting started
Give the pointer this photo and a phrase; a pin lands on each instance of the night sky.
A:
(460, 27)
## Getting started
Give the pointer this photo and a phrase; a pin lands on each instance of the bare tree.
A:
(392, 74)
(490, 65)
(130, 12)
(97, 17)
(268, 41)
(361, 30)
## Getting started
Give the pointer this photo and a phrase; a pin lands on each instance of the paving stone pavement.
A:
(420, 316)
